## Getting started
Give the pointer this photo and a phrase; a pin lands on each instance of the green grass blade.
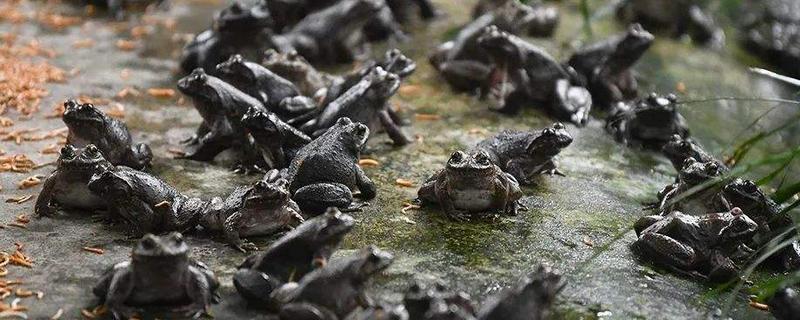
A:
(786, 193)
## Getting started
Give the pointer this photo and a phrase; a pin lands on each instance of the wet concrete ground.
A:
(580, 224)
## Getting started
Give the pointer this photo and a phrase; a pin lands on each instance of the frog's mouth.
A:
(500, 87)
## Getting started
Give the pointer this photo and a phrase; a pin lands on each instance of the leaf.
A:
(786, 193)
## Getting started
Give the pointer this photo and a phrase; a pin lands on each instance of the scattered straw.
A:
(161, 92)
(404, 182)
(94, 250)
(368, 163)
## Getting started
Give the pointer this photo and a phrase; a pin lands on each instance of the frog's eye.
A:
(149, 242)
(558, 126)
(750, 186)
(292, 55)
(91, 149)
(236, 59)
(712, 167)
(237, 7)
(67, 152)
(736, 211)
(177, 237)
(457, 157)
(71, 103)
(548, 132)
(482, 159)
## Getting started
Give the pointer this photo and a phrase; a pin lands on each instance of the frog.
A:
(394, 62)
(606, 66)
(772, 222)
(88, 125)
(277, 141)
(526, 154)
(679, 148)
(530, 299)
(334, 291)
(145, 202)
(215, 133)
(532, 18)
(295, 68)
(524, 74)
(295, 254)
(65, 187)
(437, 302)
(325, 172)
(241, 28)
(649, 122)
(222, 107)
(706, 247)
(693, 174)
(674, 19)
(471, 185)
(279, 95)
(365, 102)
(331, 35)
(462, 62)
(261, 209)
(769, 30)
(784, 304)
(160, 278)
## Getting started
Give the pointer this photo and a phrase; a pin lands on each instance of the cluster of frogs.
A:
(322, 31)
(488, 57)
(294, 280)
(684, 237)
(102, 170)
(305, 129)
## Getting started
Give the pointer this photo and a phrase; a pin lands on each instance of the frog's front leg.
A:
(200, 294)
(43, 201)
(315, 198)
(366, 187)
(306, 311)
(201, 131)
(664, 250)
(446, 203)
(119, 290)
(393, 129)
(231, 228)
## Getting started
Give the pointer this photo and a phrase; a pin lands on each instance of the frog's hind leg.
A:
(393, 129)
(315, 198)
(664, 251)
